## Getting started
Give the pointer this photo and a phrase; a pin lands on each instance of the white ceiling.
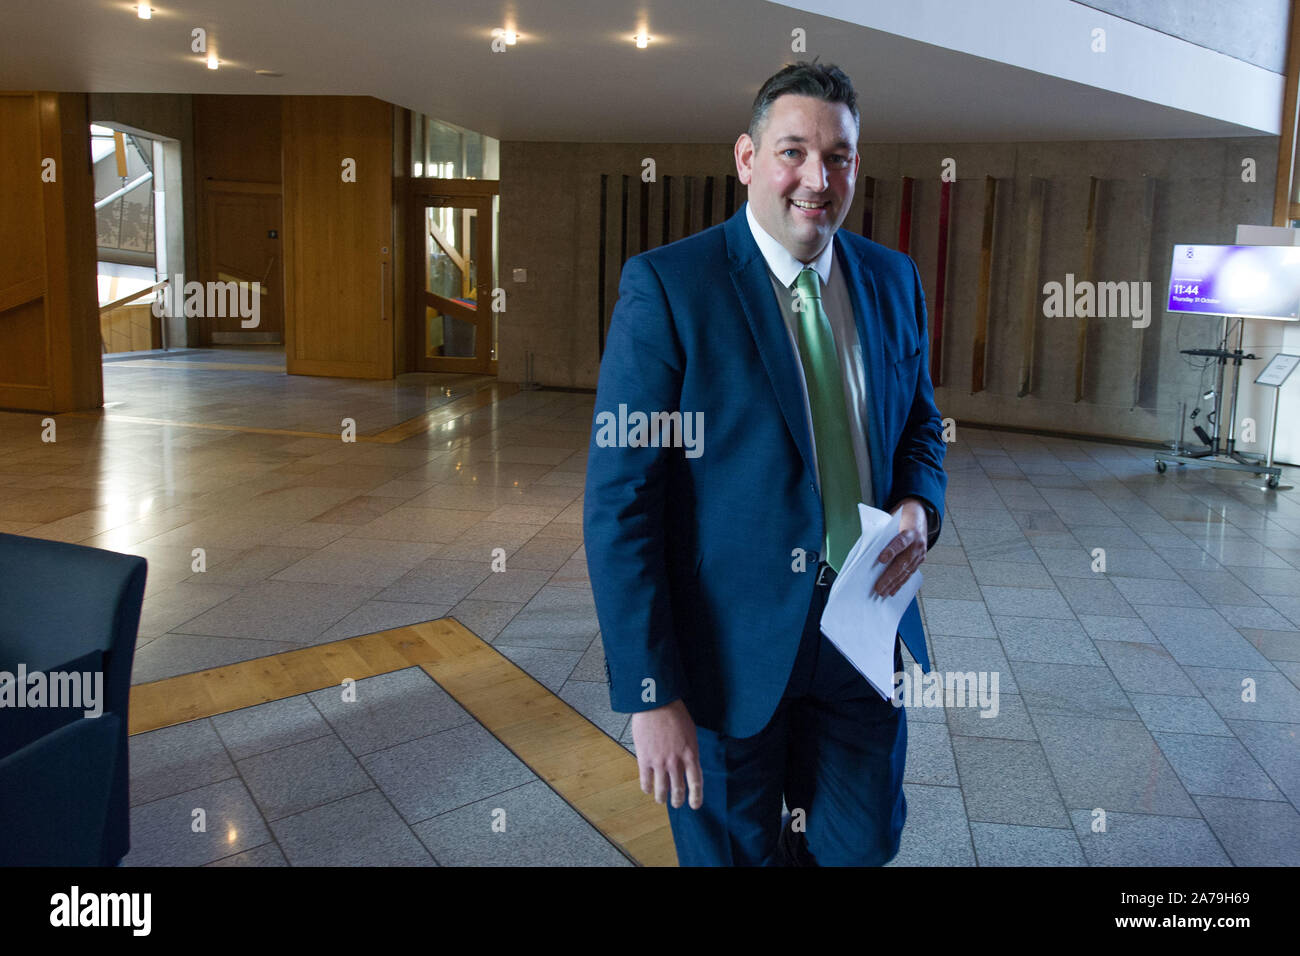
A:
(576, 75)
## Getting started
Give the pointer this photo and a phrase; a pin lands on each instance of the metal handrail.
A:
(132, 297)
(119, 193)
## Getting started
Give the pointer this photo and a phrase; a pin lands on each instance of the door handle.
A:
(383, 312)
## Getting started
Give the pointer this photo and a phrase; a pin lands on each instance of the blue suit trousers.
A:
(834, 749)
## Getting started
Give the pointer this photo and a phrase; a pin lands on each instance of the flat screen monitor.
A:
(1255, 282)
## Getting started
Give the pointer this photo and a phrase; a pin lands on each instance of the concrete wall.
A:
(1200, 197)
(1250, 30)
(549, 225)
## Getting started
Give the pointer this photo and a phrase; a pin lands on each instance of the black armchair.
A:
(70, 610)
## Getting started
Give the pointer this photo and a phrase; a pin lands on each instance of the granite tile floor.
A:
(1147, 707)
(399, 774)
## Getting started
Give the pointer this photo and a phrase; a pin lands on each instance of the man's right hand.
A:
(667, 753)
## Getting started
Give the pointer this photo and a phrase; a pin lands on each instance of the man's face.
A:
(806, 156)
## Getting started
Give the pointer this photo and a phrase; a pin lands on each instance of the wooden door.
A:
(243, 245)
(452, 275)
(338, 236)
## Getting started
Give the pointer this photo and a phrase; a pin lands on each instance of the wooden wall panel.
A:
(237, 137)
(905, 217)
(24, 339)
(1148, 348)
(868, 192)
(76, 368)
(1089, 268)
(338, 310)
(24, 214)
(237, 143)
(602, 267)
(1284, 193)
(131, 328)
(49, 309)
(23, 347)
(984, 293)
(403, 304)
(940, 284)
(1029, 302)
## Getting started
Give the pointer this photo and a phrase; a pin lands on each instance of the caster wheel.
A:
(1161, 467)
(1271, 481)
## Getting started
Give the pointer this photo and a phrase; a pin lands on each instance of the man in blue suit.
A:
(760, 378)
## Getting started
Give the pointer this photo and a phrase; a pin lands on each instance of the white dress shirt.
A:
(783, 269)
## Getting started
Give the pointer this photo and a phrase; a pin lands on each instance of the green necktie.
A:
(835, 463)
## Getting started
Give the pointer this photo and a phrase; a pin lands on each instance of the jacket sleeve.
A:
(624, 505)
(918, 458)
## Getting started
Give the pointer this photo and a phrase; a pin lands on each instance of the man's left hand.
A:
(906, 552)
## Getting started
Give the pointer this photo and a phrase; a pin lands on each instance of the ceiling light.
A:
(144, 11)
(506, 33)
(642, 40)
(213, 62)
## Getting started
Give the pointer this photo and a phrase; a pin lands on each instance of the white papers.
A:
(859, 622)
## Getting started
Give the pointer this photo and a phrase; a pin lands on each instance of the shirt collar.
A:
(784, 265)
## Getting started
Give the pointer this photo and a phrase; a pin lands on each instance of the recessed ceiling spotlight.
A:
(144, 11)
(213, 62)
(642, 40)
(506, 33)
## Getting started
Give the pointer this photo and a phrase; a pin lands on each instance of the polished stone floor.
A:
(1147, 710)
(396, 774)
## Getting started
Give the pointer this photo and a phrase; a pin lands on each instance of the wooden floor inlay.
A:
(589, 770)
(202, 366)
(390, 436)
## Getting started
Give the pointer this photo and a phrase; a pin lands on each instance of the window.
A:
(441, 150)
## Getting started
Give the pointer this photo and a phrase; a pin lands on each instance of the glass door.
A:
(455, 275)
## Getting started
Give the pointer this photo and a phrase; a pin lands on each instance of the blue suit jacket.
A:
(691, 558)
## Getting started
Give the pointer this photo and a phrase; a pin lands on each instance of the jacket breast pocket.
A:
(906, 368)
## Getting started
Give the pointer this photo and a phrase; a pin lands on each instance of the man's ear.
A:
(744, 153)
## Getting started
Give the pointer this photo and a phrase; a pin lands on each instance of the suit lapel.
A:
(749, 275)
(866, 309)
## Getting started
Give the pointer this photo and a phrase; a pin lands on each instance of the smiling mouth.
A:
(810, 205)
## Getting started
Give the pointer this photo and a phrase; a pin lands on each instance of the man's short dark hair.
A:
(825, 81)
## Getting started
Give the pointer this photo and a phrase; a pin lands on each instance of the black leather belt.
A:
(825, 575)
